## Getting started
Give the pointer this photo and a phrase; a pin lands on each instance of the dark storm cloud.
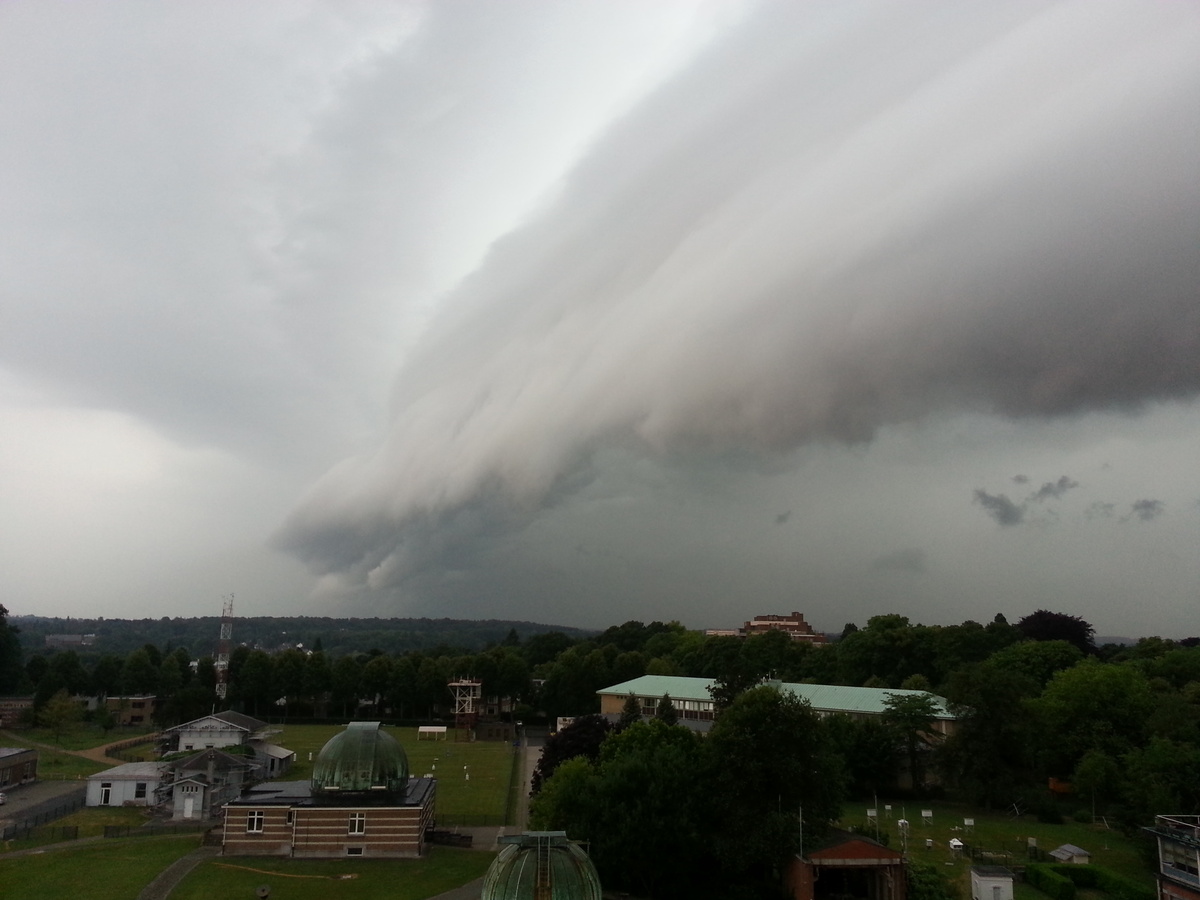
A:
(1052, 490)
(1020, 479)
(840, 217)
(1000, 508)
(1146, 510)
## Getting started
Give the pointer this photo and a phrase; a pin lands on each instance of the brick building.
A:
(360, 802)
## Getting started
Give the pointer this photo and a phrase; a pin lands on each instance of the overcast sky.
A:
(583, 312)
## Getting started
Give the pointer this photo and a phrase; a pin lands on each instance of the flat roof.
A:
(130, 770)
(299, 793)
(822, 697)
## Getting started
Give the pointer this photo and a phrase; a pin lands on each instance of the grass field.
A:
(481, 800)
(57, 765)
(1000, 834)
(361, 879)
(81, 737)
(104, 870)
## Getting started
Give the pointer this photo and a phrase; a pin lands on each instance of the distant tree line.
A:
(338, 636)
(1037, 699)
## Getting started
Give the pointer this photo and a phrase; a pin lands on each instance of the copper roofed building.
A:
(793, 626)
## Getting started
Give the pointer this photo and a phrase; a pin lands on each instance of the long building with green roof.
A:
(694, 703)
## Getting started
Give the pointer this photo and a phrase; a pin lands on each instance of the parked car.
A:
(3, 799)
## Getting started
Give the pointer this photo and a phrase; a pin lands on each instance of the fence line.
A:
(117, 751)
(47, 811)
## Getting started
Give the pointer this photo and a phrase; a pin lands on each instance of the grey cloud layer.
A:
(839, 217)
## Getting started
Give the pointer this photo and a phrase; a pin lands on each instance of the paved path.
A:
(168, 879)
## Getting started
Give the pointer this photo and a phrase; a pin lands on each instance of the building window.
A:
(139, 791)
(358, 823)
(291, 816)
(354, 851)
(254, 821)
(187, 746)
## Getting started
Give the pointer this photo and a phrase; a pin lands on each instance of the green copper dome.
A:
(361, 758)
(541, 865)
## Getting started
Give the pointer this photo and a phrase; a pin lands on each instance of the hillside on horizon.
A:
(336, 635)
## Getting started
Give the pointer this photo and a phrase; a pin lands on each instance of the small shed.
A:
(847, 865)
(991, 883)
(1069, 853)
(133, 784)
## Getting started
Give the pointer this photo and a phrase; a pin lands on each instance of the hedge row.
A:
(1049, 882)
(1101, 879)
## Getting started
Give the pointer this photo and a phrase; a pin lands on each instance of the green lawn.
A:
(104, 870)
(361, 879)
(998, 833)
(58, 765)
(482, 800)
(81, 737)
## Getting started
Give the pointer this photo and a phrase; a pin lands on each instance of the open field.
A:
(359, 879)
(103, 870)
(481, 800)
(81, 737)
(999, 833)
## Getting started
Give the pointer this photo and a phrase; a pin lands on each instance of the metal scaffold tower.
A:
(467, 693)
(223, 644)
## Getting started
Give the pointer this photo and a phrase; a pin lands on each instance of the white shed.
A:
(1069, 853)
(133, 784)
(991, 883)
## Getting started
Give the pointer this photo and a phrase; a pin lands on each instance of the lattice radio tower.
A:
(467, 693)
(222, 662)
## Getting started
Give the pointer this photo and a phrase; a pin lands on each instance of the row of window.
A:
(255, 818)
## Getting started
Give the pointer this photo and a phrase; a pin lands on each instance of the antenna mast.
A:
(222, 662)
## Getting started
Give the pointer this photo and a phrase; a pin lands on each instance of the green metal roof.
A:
(541, 865)
(822, 697)
(361, 758)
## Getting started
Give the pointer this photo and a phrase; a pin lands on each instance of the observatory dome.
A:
(541, 865)
(362, 758)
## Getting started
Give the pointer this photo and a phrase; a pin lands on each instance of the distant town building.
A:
(69, 641)
(12, 708)
(694, 703)
(793, 626)
(137, 709)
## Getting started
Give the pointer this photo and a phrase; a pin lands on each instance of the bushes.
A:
(1050, 882)
(1095, 877)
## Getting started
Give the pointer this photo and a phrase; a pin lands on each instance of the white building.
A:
(991, 883)
(133, 784)
(231, 729)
